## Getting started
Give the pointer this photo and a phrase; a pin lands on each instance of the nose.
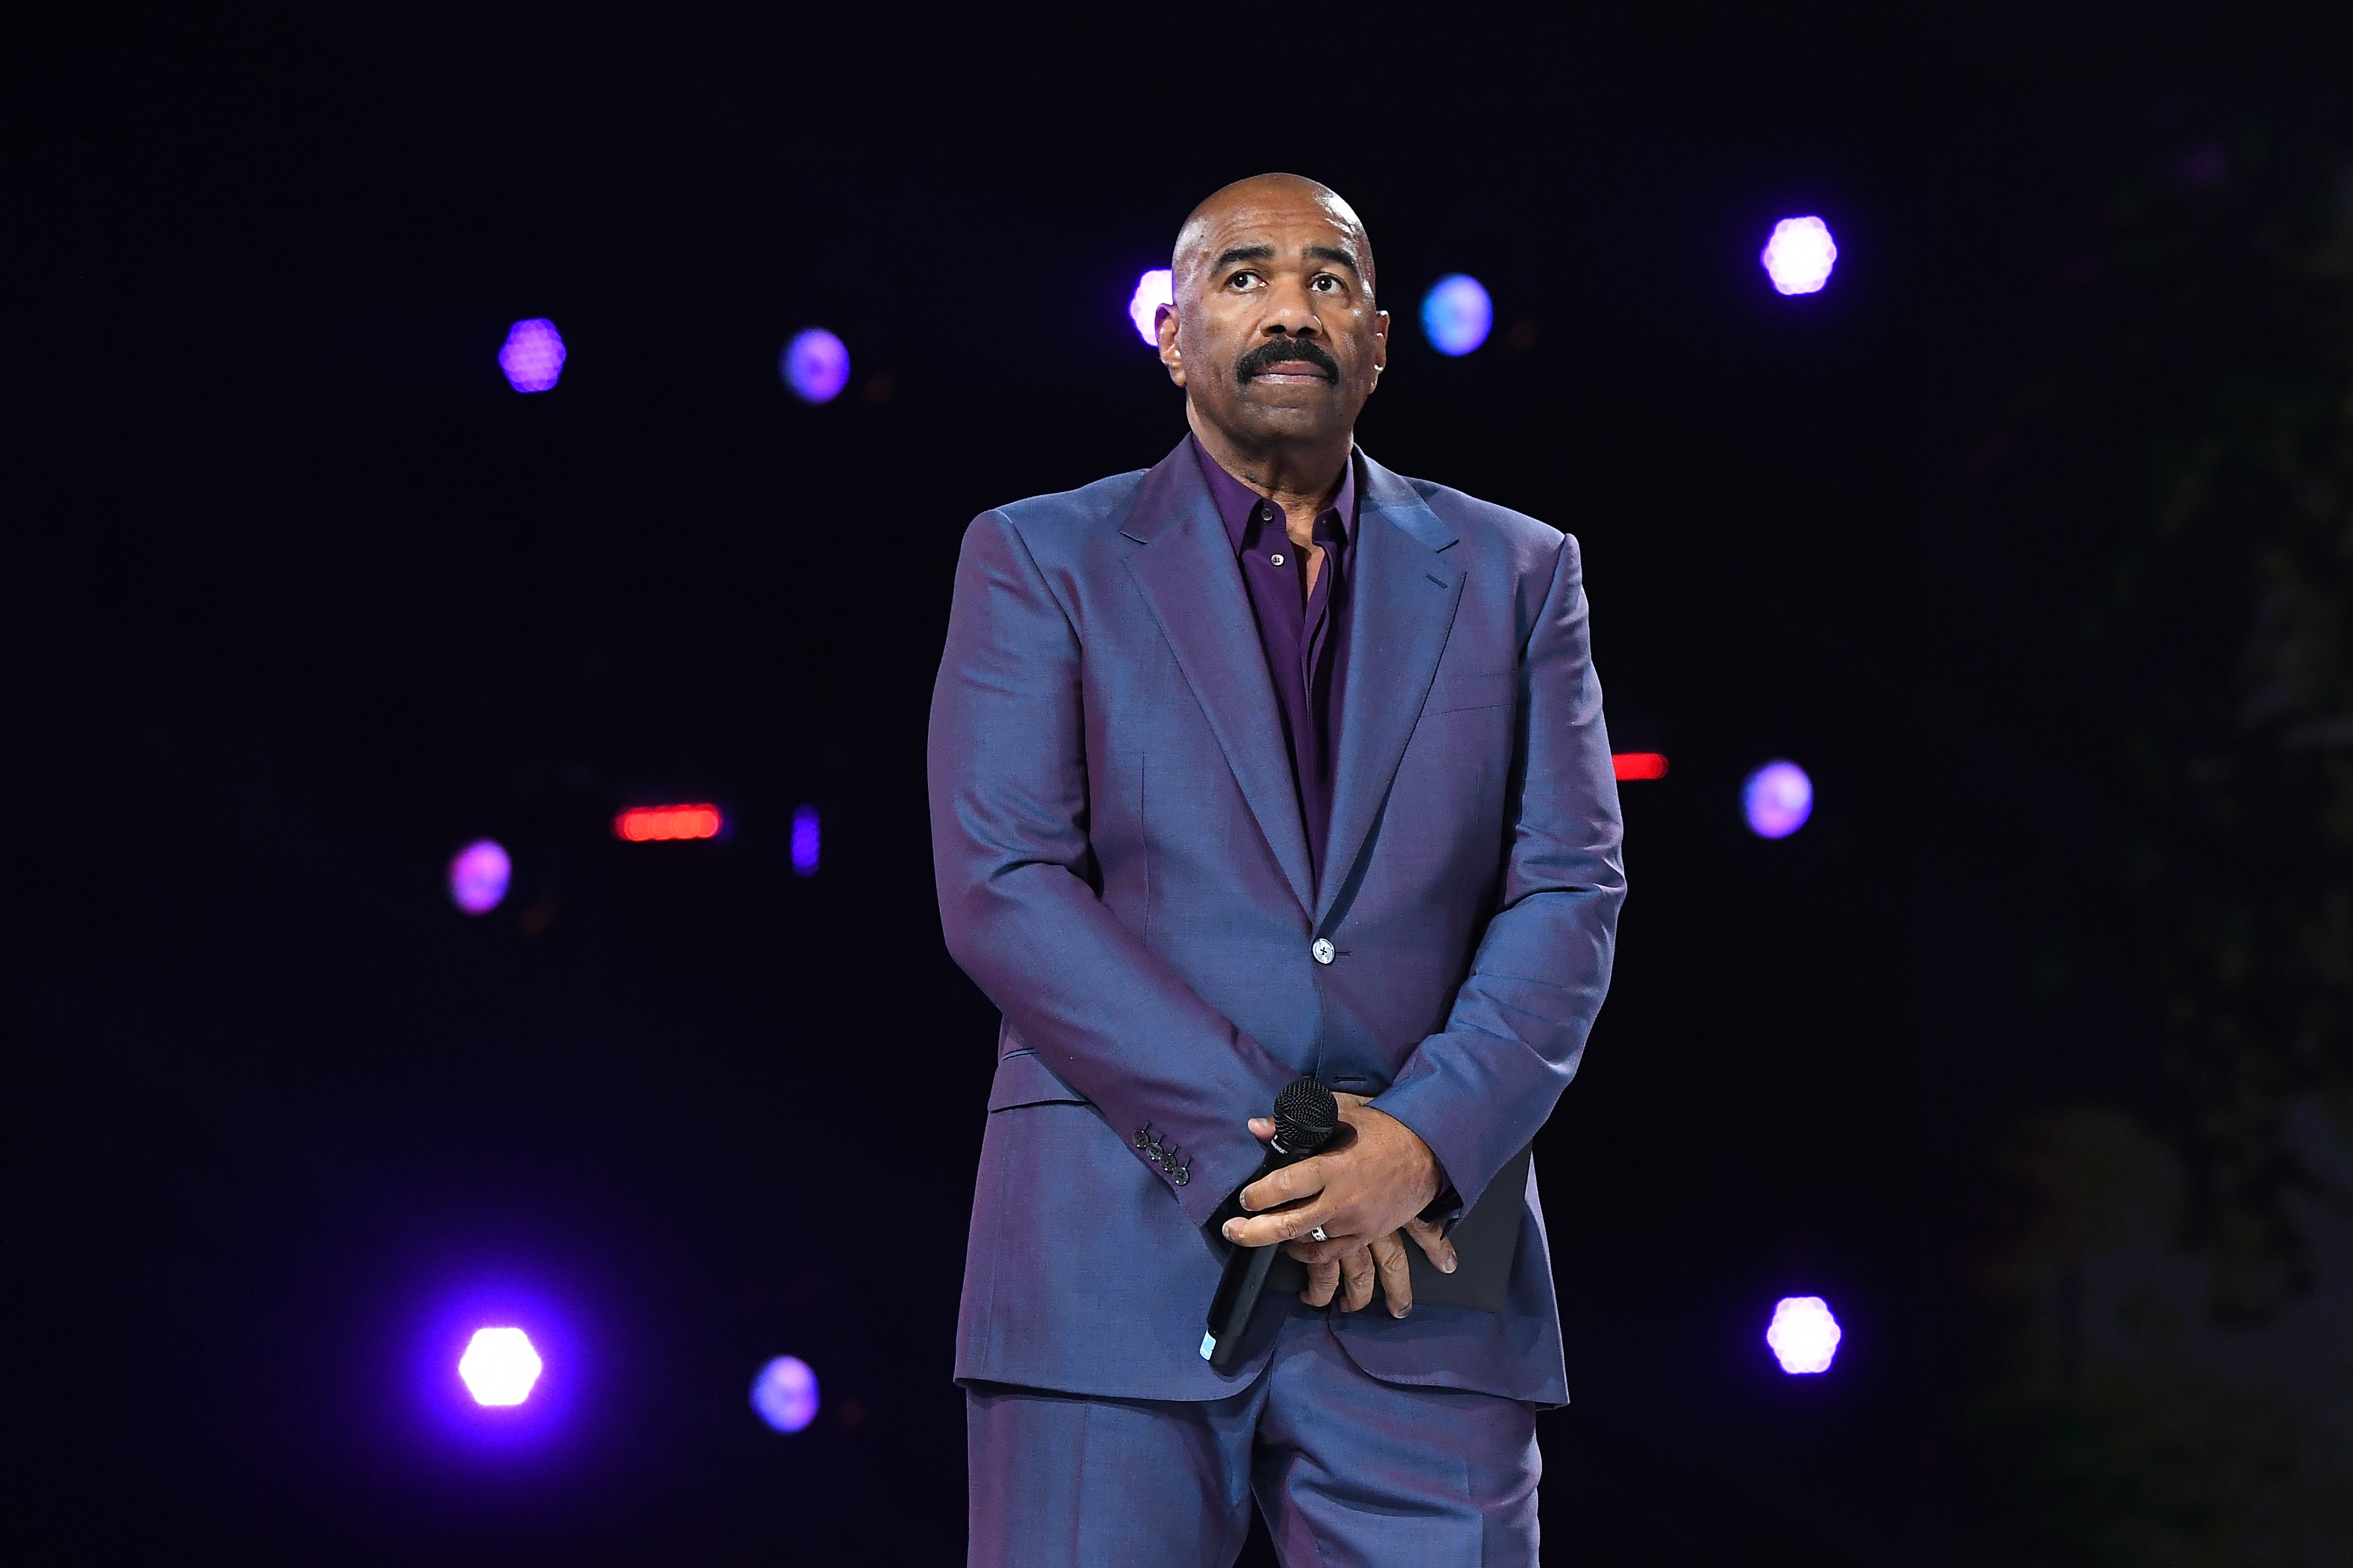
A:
(1290, 311)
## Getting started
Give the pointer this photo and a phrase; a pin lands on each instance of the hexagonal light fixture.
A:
(499, 1367)
(1804, 1336)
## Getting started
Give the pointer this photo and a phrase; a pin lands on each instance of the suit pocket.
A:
(1023, 1079)
(1453, 693)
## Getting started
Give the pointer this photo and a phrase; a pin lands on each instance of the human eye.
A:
(1325, 283)
(1244, 280)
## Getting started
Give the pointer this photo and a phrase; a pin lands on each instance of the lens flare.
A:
(816, 365)
(1777, 799)
(1638, 765)
(805, 840)
(478, 876)
(785, 1393)
(643, 823)
(533, 355)
(499, 1367)
(1154, 289)
(1804, 1337)
(1799, 255)
(1457, 314)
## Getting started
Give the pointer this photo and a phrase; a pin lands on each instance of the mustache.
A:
(1283, 351)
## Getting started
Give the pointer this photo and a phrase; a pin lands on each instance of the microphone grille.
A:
(1305, 1116)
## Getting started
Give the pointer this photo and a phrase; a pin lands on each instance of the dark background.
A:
(299, 597)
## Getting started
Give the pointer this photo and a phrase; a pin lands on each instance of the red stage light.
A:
(640, 822)
(1638, 765)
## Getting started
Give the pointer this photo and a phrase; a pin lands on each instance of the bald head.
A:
(1266, 195)
(1273, 331)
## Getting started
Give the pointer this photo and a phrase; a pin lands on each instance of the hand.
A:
(1363, 1189)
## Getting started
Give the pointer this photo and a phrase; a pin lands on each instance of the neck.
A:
(1300, 479)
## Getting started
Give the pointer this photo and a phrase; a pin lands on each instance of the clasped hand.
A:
(1365, 1189)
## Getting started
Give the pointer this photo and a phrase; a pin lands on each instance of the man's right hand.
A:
(1350, 1276)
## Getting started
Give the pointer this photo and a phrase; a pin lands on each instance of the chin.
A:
(1294, 408)
(1293, 424)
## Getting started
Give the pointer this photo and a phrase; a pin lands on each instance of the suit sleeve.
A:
(1478, 1090)
(1019, 905)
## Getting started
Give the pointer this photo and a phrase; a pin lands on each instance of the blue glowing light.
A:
(500, 1367)
(1777, 799)
(533, 355)
(816, 365)
(478, 876)
(1457, 314)
(1804, 1336)
(1154, 289)
(1799, 255)
(785, 1393)
(805, 840)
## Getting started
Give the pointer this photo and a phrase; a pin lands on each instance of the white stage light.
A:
(1799, 255)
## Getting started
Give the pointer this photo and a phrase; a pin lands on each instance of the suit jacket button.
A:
(1323, 950)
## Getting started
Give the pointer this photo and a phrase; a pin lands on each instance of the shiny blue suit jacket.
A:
(1122, 869)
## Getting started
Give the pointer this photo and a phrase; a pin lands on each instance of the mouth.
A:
(1288, 364)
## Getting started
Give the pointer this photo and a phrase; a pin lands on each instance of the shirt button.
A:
(1276, 559)
(1323, 950)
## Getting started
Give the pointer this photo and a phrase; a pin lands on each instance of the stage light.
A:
(499, 1367)
(1154, 289)
(805, 840)
(533, 355)
(1804, 1337)
(1799, 255)
(785, 1393)
(1457, 314)
(642, 824)
(479, 875)
(1777, 799)
(1638, 765)
(816, 365)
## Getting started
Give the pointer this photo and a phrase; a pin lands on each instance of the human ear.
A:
(1163, 323)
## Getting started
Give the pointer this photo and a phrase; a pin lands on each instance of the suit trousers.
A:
(1350, 1472)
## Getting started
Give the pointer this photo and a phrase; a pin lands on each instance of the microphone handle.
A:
(1244, 1276)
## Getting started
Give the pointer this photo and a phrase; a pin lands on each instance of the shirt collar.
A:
(1237, 501)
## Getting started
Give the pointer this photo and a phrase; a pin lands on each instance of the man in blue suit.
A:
(1261, 763)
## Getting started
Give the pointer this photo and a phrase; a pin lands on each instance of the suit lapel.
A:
(1184, 565)
(1402, 609)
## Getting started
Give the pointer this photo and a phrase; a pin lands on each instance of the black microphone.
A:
(1306, 1117)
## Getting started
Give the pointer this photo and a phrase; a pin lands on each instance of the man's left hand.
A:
(1370, 1183)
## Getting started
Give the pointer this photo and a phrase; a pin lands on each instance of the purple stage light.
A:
(1777, 799)
(805, 840)
(785, 1393)
(1804, 1337)
(1154, 289)
(1457, 314)
(499, 1367)
(533, 355)
(816, 365)
(479, 875)
(1799, 255)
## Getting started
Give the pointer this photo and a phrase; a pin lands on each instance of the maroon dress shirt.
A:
(1303, 634)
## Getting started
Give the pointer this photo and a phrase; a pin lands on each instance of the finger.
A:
(1357, 1270)
(1282, 1225)
(1432, 1241)
(1262, 1129)
(1397, 1279)
(1289, 1185)
(1322, 1279)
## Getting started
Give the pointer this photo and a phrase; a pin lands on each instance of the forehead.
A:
(1287, 219)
